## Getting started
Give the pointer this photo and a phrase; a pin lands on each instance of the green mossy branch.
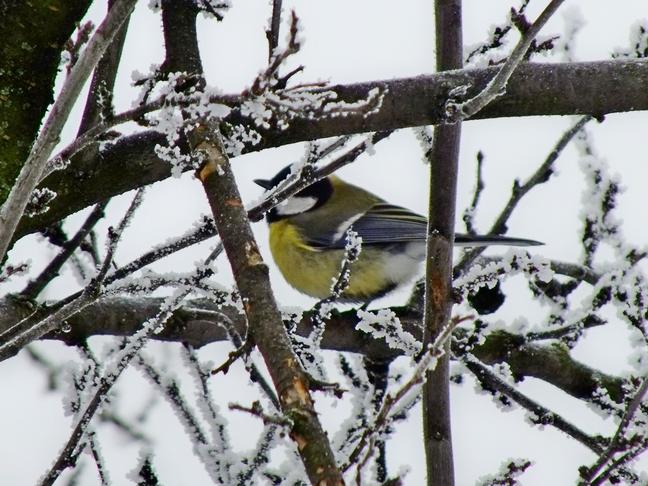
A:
(33, 35)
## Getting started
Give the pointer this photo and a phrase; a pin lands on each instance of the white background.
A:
(349, 41)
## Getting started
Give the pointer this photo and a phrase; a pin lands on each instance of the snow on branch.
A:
(497, 86)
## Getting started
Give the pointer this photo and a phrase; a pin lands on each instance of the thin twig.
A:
(352, 251)
(499, 33)
(256, 213)
(257, 411)
(612, 447)
(206, 228)
(426, 362)
(273, 32)
(114, 235)
(203, 230)
(170, 389)
(106, 382)
(98, 459)
(36, 285)
(255, 374)
(244, 350)
(497, 86)
(587, 322)
(541, 175)
(617, 464)
(209, 455)
(26, 330)
(544, 415)
(258, 456)
(469, 213)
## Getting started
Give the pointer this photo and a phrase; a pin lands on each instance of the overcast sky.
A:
(349, 41)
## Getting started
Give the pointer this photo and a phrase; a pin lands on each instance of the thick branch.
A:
(30, 175)
(199, 323)
(180, 39)
(443, 157)
(33, 35)
(534, 89)
(266, 327)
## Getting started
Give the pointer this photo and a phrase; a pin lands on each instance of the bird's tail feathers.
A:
(487, 240)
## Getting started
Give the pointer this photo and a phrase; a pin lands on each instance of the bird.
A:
(308, 235)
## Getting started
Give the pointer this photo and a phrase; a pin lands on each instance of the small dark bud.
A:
(487, 300)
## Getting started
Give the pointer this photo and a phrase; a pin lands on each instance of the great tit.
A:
(308, 238)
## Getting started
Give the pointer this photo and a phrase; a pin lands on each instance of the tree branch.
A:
(201, 322)
(497, 86)
(13, 208)
(443, 157)
(35, 34)
(265, 324)
(541, 414)
(518, 191)
(534, 89)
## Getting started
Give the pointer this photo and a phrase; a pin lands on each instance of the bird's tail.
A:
(487, 240)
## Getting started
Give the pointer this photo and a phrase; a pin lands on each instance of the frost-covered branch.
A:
(619, 443)
(541, 175)
(497, 85)
(67, 457)
(496, 38)
(534, 89)
(212, 452)
(36, 325)
(394, 401)
(205, 229)
(308, 175)
(202, 322)
(507, 475)
(264, 318)
(541, 415)
(36, 285)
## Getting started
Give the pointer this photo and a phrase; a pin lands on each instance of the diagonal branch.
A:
(265, 324)
(497, 86)
(540, 176)
(36, 285)
(589, 475)
(542, 414)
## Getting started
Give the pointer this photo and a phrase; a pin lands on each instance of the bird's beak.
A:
(266, 184)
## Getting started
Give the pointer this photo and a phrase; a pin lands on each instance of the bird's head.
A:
(307, 199)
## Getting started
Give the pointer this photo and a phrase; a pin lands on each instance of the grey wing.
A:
(382, 224)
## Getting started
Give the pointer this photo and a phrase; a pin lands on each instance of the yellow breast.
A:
(313, 272)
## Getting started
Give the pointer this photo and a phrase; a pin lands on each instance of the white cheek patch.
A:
(296, 205)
